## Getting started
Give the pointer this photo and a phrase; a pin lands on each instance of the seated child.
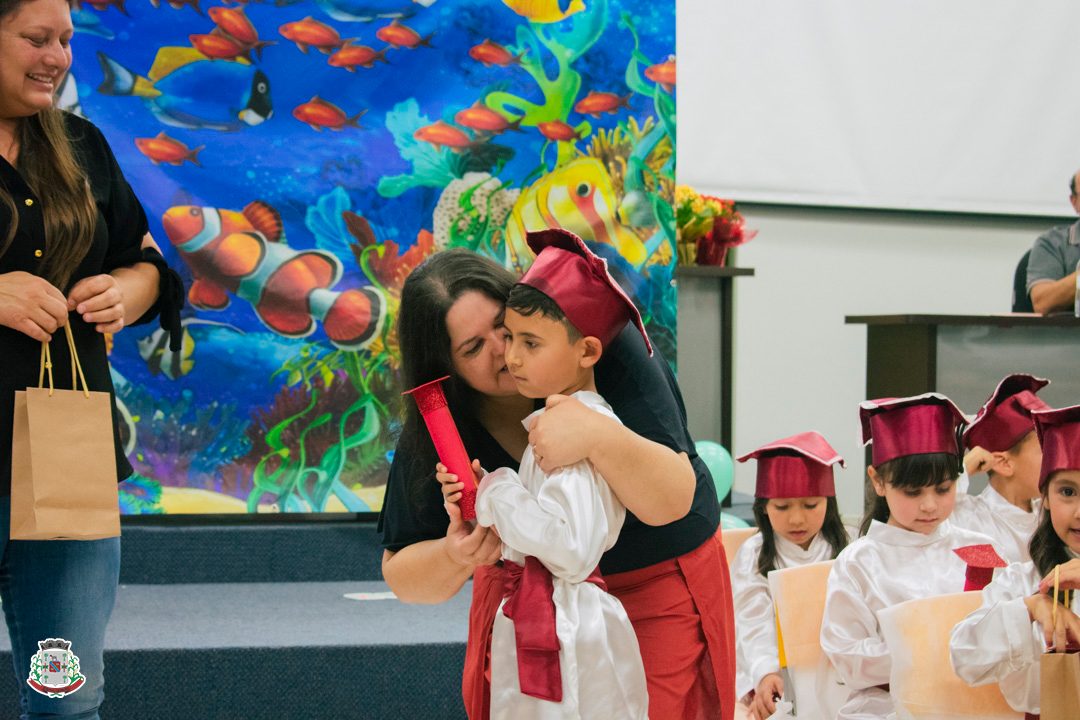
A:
(907, 543)
(1003, 640)
(562, 646)
(1008, 509)
(799, 522)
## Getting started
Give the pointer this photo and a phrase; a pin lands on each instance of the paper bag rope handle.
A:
(1053, 610)
(76, 366)
(1068, 596)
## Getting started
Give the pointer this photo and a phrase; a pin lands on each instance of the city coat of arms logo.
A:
(54, 669)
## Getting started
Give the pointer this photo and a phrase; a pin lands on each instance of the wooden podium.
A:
(965, 356)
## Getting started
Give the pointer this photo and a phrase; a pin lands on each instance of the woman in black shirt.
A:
(74, 249)
(667, 568)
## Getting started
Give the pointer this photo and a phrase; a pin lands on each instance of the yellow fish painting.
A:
(545, 11)
(577, 197)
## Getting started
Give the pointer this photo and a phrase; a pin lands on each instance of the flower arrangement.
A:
(707, 227)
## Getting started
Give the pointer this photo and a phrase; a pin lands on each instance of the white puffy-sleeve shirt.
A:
(566, 519)
(756, 649)
(999, 642)
(1008, 526)
(887, 566)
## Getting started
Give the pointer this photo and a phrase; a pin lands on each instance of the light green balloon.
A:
(720, 464)
(727, 522)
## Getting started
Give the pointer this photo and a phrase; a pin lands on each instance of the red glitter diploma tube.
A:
(430, 399)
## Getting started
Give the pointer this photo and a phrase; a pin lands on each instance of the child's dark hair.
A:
(832, 530)
(527, 300)
(911, 471)
(1046, 547)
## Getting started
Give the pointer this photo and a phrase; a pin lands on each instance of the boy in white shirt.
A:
(562, 646)
(1008, 508)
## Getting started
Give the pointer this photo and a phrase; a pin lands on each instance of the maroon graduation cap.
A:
(577, 279)
(1059, 434)
(915, 425)
(981, 561)
(795, 467)
(1005, 418)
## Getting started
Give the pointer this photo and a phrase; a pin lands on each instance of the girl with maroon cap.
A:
(799, 522)
(1003, 640)
(667, 567)
(907, 546)
(1008, 508)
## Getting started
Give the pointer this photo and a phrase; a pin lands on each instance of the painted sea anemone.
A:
(472, 211)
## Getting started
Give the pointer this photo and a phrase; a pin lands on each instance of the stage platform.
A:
(282, 621)
(278, 650)
(270, 646)
(249, 551)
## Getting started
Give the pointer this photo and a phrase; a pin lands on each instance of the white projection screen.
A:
(941, 105)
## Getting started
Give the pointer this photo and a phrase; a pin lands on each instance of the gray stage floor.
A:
(239, 615)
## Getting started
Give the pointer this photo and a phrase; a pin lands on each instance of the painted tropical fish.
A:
(545, 11)
(443, 135)
(352, 56)
(663, 74)
(596, 103)
(67, 97)
(185, 88)
(274, 3)
(154, 349)
(369, 10)
(179, 4)
(310, 33)
(103, 5)
(320, 114)
(578, 197)
(90, 24)
(242, 253)
(492, 53)
(482, 118)
(233, 23)
(217, 46)
(559, 131)
(164, 149)
(397, 35)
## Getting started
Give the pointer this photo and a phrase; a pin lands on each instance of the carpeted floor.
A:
(277, 650)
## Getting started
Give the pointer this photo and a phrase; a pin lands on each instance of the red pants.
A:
(681, 611)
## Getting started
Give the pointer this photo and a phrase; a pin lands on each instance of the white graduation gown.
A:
(1009, 526)
(755, 617)
(1000, 643)
(566, 520)
(887, 566)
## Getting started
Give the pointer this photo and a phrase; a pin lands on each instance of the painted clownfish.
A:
(240, 253)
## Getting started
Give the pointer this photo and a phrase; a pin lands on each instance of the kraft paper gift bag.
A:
(1059, 678)
(1059, 686)
(63, 462)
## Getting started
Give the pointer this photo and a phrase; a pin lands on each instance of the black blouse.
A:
(118, 234)
(643, 393)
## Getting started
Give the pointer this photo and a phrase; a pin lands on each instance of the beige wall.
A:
(797, 365)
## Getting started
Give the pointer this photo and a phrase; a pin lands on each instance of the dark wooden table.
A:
(965, 356)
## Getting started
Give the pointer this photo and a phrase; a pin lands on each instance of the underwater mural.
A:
(297, 158)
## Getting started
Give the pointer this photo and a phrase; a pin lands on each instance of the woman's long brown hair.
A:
(48, 164)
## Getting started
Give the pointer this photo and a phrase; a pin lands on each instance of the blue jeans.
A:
(58, 589)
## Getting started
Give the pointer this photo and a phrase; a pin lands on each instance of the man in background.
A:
(1051, 271)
